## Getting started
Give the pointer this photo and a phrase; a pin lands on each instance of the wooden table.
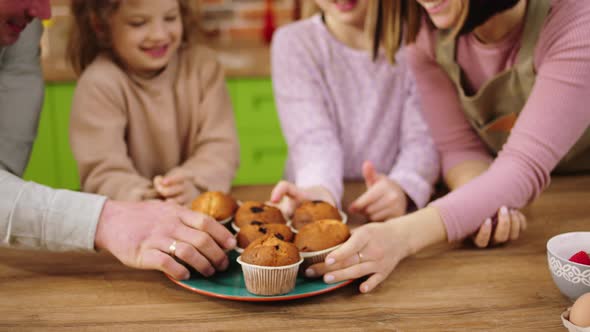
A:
(502, 289)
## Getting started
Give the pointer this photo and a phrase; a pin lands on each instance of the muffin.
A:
(310, 211)
(270, 266)
(215, 204)
(316, 240)
(257, 211)
(256, 229)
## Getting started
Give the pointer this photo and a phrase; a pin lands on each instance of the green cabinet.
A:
(52, 162)
(262, 147)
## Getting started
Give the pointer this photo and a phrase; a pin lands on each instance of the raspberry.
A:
(581, 257)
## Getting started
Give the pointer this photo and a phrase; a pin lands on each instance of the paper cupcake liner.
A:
(569, 325)
(269, 280)
(226, 220)
(314, 257)
(342, 215)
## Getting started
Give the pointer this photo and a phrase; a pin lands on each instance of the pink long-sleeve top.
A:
(555, 116)
(338, 108)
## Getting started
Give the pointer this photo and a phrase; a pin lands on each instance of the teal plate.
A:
(230, 285)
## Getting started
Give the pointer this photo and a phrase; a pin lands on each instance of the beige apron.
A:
(493, 110)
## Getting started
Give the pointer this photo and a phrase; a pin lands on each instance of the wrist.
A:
(100, 238)
(420, 229)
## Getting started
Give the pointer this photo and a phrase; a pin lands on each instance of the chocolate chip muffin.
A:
(215, 204)
(321, 234)
(270, 251)
(256, 229)
(310, 211)
(257, 211)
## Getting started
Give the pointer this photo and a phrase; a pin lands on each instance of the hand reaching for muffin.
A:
(176, 186)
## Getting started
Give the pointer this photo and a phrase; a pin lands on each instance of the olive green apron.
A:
(493, 110)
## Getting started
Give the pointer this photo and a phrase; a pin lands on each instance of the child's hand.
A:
(176, 186)
(287, 196)
(384, 198)
(510, 223)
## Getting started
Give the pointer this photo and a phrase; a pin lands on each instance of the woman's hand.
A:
(375, 249)
(507, 226)
(287, 196)
(384, 198)
(176, 186)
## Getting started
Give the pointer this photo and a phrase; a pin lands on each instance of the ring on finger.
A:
(172, 249)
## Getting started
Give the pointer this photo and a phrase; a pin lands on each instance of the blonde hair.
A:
(90, 33)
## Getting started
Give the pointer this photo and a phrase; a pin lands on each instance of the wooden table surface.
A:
(503, 289)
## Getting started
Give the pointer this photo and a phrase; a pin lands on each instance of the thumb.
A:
(369, 174)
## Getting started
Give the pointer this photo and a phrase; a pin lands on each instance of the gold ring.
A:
(172, 248)
(360, 257)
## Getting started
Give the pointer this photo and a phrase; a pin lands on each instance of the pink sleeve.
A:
(314, 146)
(553, 119)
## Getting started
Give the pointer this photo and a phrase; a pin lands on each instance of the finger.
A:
(173, 190)
(175, 178)
(320, 269)
(367, 198)
(514, 225)
(372, 282)
(204, 244)
(352, 246)
(351, 272)
(284, 188)
(369, 173)
(194, 257)
(380, 204)
(522, 221)
(153, 259)
(503, 230)
(206, 224)
(158, 182)
(482, 238)
(287, 206)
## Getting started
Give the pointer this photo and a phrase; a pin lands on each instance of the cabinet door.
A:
(52, 162)
(68, 169)
(262, 159)
(262, 147)
(254, 105)
(43, 163)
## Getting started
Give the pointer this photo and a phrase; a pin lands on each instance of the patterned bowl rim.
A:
(565, 259)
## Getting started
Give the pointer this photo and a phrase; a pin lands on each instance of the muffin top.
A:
(257, 211)
(256, 229)
(310, 211)
(215, 204)
(321, 234)
(270, 251)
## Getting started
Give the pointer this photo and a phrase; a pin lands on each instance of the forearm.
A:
(464, 172)
(38, 217)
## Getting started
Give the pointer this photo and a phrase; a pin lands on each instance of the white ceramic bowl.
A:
(571, 278)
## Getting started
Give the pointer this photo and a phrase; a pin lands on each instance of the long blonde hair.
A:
(90, 33)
